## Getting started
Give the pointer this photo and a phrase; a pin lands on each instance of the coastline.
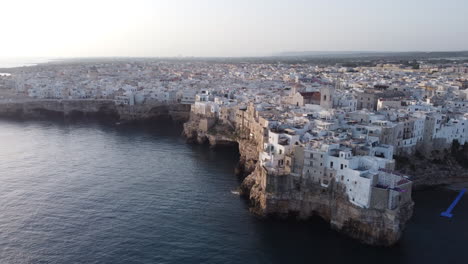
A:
(284, 196)
(11, 64)
(265, 193)
(84, 108)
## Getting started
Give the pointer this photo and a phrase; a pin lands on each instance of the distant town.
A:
(321, 125)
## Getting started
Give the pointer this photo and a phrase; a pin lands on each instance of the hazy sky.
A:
(81, 28)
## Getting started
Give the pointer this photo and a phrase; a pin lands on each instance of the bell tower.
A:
(326, 96)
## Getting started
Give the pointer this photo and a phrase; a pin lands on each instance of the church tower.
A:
(326, 96)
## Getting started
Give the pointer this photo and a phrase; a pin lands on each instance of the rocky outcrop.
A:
(440, 168)
(36, 109)
(176, 112)
(101, 109)
(291, 196)
(223, 135)
(294, 196)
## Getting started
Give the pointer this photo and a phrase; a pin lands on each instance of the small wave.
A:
(236, 192)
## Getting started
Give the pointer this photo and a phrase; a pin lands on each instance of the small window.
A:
(341, 167)
(331, 164)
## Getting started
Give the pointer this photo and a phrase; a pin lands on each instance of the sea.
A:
(12, 62)
(85, 192)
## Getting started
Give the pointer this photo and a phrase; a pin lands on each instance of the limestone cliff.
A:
(446, 166)
(292, 196)
(287, 195)
(36, 109)
(101, 109)
(221, 135)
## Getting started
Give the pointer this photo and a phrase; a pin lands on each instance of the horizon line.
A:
(279, 54)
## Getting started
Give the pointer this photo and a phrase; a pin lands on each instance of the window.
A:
(342, 177)
(341, 167)
(280, 151)
(331, 164)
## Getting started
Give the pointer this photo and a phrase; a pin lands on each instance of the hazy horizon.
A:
(278, 54)
(242, 28)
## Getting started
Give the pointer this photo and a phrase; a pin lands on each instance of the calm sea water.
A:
(90, 193)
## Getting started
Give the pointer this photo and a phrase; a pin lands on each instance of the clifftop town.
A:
(325, 140)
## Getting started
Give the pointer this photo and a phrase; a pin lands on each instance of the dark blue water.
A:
(90, 193)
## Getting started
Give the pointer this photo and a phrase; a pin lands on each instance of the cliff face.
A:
(291, 196)
(101, 109)
(36, 109)
(287, 195)
(440, 167)
(222, 135)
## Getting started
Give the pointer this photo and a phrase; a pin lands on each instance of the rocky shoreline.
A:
(436, 170)
(269, 195)
(287, 196)
(98, 109)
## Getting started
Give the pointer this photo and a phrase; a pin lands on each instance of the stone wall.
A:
(379, 198)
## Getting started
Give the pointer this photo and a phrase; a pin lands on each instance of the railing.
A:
(392, 172)
(277, 171)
